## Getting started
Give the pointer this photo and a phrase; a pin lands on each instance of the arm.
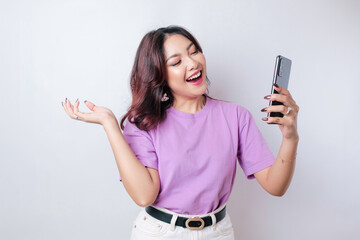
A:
(141, 183)
(276, 179)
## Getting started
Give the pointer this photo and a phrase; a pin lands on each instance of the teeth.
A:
(195, 76)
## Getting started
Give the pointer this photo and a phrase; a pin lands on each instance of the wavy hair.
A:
(148, 81)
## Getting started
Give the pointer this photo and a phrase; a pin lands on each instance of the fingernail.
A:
(85, 101)
(65, 99)
(277, 86)
(267, 97)
(264, 109)
(264, 119)
(76, 100)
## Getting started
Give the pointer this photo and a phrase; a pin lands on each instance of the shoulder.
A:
(130, 129)
(229, 106)
(232, 112)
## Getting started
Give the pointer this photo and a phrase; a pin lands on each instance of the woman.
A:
(178, 151)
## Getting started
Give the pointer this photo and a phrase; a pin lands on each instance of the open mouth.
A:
(195, 78)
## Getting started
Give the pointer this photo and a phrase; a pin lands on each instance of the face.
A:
(186, 68)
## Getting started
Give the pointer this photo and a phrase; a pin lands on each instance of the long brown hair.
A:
(148, 79)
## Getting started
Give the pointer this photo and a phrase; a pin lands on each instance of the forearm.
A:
(280, 173)
(136, 178)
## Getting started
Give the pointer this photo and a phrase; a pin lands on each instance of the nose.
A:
(191, 64)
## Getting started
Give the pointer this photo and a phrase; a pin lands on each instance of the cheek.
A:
(175, 75)
(203, 60)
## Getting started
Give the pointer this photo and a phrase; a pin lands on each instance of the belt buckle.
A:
(195, 219)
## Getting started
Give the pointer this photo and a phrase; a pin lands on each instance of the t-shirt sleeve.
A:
(141, 144)
(253, 152)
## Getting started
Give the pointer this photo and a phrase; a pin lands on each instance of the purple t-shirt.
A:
(196, 154)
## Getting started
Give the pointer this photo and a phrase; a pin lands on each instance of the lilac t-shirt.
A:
(196, 154)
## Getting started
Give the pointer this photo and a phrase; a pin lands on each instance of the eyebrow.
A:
(175, 55)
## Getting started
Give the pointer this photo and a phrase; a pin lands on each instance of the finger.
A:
(276, 120)
(278, 97)
(76, 106)
(284, 91)
(80, 115)
(72, 106)
(70, 109)
(286, 100)
(64, 103)
(66, 108)
(90, 105)
(281, 90)
(77, 113)
(291, 113)
(276, 108)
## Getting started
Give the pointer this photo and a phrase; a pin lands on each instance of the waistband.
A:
(193, 222)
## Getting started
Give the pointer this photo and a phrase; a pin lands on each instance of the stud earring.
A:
(164, 98)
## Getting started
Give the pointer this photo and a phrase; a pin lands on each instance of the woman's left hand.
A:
(288, 123)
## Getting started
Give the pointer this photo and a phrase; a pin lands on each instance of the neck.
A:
(189, 105)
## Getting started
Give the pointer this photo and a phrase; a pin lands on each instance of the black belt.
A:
(194, 223)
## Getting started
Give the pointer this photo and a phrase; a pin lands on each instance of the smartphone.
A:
(281, 78)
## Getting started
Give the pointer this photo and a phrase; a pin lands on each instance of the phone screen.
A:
(281, 78)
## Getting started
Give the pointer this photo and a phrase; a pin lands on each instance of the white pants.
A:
(146, 227)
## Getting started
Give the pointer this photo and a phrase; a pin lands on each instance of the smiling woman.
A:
(161, 67)
(185, 69)
(179, 148)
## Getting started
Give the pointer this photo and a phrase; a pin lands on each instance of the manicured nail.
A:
(76, 100)
(264, 109)
(277, 86)
(264, 119)
(65, 99)
(267, 97)
(85, 101)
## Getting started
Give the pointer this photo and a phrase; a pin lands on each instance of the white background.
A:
(58, 178)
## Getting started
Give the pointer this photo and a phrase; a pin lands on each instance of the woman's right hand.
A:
(99, 115)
